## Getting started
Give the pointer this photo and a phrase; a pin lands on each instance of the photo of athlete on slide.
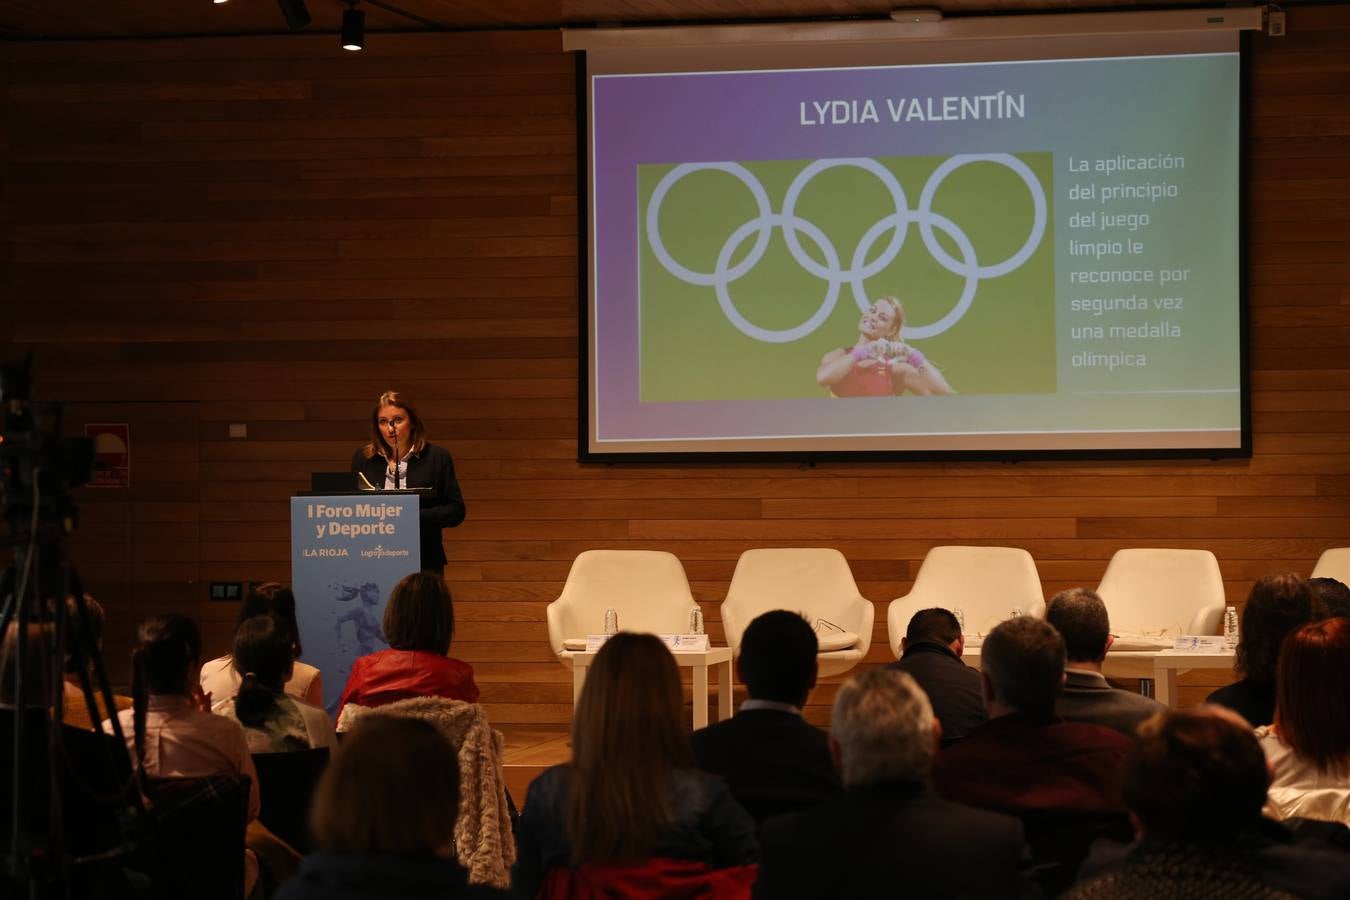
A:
(880, 364)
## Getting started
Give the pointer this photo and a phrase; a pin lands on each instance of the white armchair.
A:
(815, 582)
(1154, 595)
(1334, 563)
(647, 588)
(985, 583)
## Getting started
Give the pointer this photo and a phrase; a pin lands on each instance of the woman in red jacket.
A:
(419, 624)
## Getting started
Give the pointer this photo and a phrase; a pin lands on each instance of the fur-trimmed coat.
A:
(483, 840)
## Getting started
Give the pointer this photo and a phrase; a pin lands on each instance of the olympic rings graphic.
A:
(860, 268)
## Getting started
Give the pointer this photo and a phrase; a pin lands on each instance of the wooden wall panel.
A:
(266, 231)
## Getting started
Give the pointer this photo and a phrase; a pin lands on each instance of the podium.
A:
(348, 550)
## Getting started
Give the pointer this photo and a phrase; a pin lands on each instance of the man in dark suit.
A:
(1079, 615)
(930, 652)
(773, 761)
(889, 834)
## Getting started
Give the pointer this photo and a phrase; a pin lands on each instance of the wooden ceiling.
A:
(96, 19)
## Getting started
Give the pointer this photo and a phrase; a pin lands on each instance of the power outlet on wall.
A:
(226, 591)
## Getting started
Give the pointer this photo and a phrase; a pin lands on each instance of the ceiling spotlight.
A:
(353, 28)
(297, 16)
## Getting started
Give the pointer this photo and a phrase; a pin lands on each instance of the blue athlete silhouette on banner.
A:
(347, 553)
(365, 626)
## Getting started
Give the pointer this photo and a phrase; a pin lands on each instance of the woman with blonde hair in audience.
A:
(631, 808)
(384, 819)
(1308, 746)
(273, 721)
(220, 679)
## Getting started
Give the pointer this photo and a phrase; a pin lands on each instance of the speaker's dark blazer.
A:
(773, 761)
(442, 508)
(892, 840)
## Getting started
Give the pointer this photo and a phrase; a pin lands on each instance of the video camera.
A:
(39, 464)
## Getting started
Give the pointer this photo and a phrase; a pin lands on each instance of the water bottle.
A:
(960, 619)
(611, 621)
(1230, 627)
(696, 620)
(1016, 611)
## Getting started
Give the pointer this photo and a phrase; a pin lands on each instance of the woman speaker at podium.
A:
(399, 456)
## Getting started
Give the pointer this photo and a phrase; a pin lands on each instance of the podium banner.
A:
(347, 553)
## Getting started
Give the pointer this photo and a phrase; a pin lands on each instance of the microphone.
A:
(396, 458)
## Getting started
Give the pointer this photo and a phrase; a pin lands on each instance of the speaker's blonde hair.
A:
(417, 435)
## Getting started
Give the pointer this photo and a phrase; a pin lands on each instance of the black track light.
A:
(353, 28)
(297, 16)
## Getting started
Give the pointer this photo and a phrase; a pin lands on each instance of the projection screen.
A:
(993, 247)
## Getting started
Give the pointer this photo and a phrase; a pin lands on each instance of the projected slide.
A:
(1032, 255)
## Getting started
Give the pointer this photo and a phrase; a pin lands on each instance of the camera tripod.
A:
(59, 779)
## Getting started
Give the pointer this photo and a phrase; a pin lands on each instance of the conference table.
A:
(1161, 667)
(700, 661)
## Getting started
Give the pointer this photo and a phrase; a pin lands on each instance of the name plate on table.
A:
(1201, 643)
(696, 643)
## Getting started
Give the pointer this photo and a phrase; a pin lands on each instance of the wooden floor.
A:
(530, 749)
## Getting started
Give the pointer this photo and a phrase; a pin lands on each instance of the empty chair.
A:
(198, 850)
(646, 588)
(815, 582)
(1334, 563)
(1154, 595)
(286, 783)
(985, 583)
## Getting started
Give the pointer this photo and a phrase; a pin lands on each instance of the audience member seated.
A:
(773, 761)
(220, 678)
(1332, 597)
(384, 819)
(1061, 778)
(930, 652)
(1276, 606)
(1195, 782)
(74, 706)
(1080, 617)
(484, 842)
(889, 835)
(419, 624)
(170, 730)
(631, 808)
(1308, 746)
(273, 721)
